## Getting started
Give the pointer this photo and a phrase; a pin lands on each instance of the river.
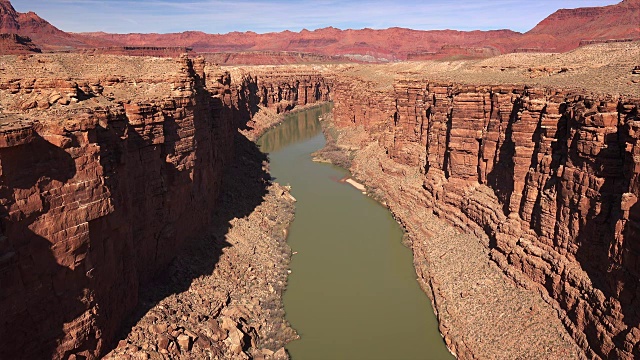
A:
(352, 293)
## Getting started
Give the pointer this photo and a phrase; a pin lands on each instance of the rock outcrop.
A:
(12, 44)
(233, 309)
(547, 177)
(284, 89)
(97, 199)
(104, 179)
(266, 91)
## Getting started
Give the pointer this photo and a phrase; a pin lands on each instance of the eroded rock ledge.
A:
(547, 178)
(109, 167)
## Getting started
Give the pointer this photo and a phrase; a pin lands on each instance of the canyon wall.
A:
(103, 180)
(283, 89)
(12, 44)
(95, 202)
(547, 178)
(263, 92)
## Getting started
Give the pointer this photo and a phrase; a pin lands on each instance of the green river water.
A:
(352, 293)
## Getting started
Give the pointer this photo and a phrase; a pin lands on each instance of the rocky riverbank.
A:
(542, 170)
(468, 291)
(232, 310)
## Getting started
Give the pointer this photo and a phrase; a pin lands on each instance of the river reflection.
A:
(352, 293)
(297, 127)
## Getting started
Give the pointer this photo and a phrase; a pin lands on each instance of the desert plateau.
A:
(375, 192)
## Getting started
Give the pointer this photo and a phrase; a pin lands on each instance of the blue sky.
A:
(222, 16)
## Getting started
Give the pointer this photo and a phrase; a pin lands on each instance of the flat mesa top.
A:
(42, 86)
(48, 86)
(81, 66)
(599, 68)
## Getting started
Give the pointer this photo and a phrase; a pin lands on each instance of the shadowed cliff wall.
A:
(96, 200)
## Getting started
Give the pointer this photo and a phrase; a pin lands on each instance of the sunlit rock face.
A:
(98, 195)
(549, 178)
(104, 178)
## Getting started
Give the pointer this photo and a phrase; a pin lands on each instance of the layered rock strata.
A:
(104, 178)
(159, 51)
(12, 44)
(109, 166)
(233, 308)
(97, 198)
(546, 178)
(283, 88)
(267, 91)
(267, 58)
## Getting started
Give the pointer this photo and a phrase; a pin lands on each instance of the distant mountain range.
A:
(561, 31)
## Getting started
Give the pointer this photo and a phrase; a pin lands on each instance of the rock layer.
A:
(266, 91)
(174, 51)
(103, 180)
(12, 44)
(233, 308)
(97, 200)
(548, 178)
(267, 58)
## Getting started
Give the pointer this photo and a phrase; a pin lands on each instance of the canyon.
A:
(105, 178)
(546, 177)
(138, 218)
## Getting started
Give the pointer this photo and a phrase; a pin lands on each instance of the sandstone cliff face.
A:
(264, 92)
(284, 89)
(12, 44)
(105, 178)
(547, 177)
(96, 200)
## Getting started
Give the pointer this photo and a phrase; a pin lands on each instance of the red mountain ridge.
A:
(561, 31)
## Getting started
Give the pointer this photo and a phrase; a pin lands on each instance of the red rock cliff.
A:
(104, 177)
(549, 179)
(97, 200)
(278, 89)
(12, 44)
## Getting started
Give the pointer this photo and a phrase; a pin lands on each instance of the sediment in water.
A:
(234, 309)
(469, 293)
